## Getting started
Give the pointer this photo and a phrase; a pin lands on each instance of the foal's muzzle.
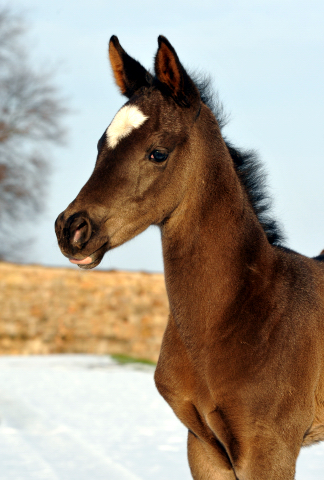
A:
(74, 233)
(78, 241)
(73, 236)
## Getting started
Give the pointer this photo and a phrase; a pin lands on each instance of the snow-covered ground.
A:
(82, 417)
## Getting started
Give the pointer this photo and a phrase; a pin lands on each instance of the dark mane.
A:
(253, 178)
(247, 164)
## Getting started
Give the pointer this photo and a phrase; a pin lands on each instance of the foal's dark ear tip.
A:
(162, 39)
(114, 40)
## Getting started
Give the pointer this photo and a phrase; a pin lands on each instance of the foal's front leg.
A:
(206, 462)
(271, 460)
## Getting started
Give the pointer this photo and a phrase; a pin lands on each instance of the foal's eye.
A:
(158, 156)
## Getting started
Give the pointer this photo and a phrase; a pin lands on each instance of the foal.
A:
(241, 362)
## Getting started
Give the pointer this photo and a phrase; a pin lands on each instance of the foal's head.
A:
(145, 148)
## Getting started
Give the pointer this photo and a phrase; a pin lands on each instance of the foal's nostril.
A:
(79, 231)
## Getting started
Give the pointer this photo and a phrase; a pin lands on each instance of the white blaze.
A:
(128, 118)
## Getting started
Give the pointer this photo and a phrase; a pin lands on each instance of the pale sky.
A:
(266, 61)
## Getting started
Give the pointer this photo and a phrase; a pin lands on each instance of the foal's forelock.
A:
(128, 118)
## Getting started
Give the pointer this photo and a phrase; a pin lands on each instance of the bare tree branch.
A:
(31, 112)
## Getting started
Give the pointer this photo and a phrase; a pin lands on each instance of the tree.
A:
(31, 113)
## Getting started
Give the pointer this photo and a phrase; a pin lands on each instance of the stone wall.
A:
(61, 310)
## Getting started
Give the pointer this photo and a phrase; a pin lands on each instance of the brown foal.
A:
(241, 362)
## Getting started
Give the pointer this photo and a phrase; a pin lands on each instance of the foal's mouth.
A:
(92, 260)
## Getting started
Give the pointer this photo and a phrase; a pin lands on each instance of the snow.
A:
(79, 417)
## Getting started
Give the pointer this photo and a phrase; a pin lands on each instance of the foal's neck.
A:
(213, 245)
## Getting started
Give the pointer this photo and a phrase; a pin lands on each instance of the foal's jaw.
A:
(84, 238)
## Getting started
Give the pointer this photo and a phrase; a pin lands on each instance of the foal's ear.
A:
(129, 74)
(170, 72)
